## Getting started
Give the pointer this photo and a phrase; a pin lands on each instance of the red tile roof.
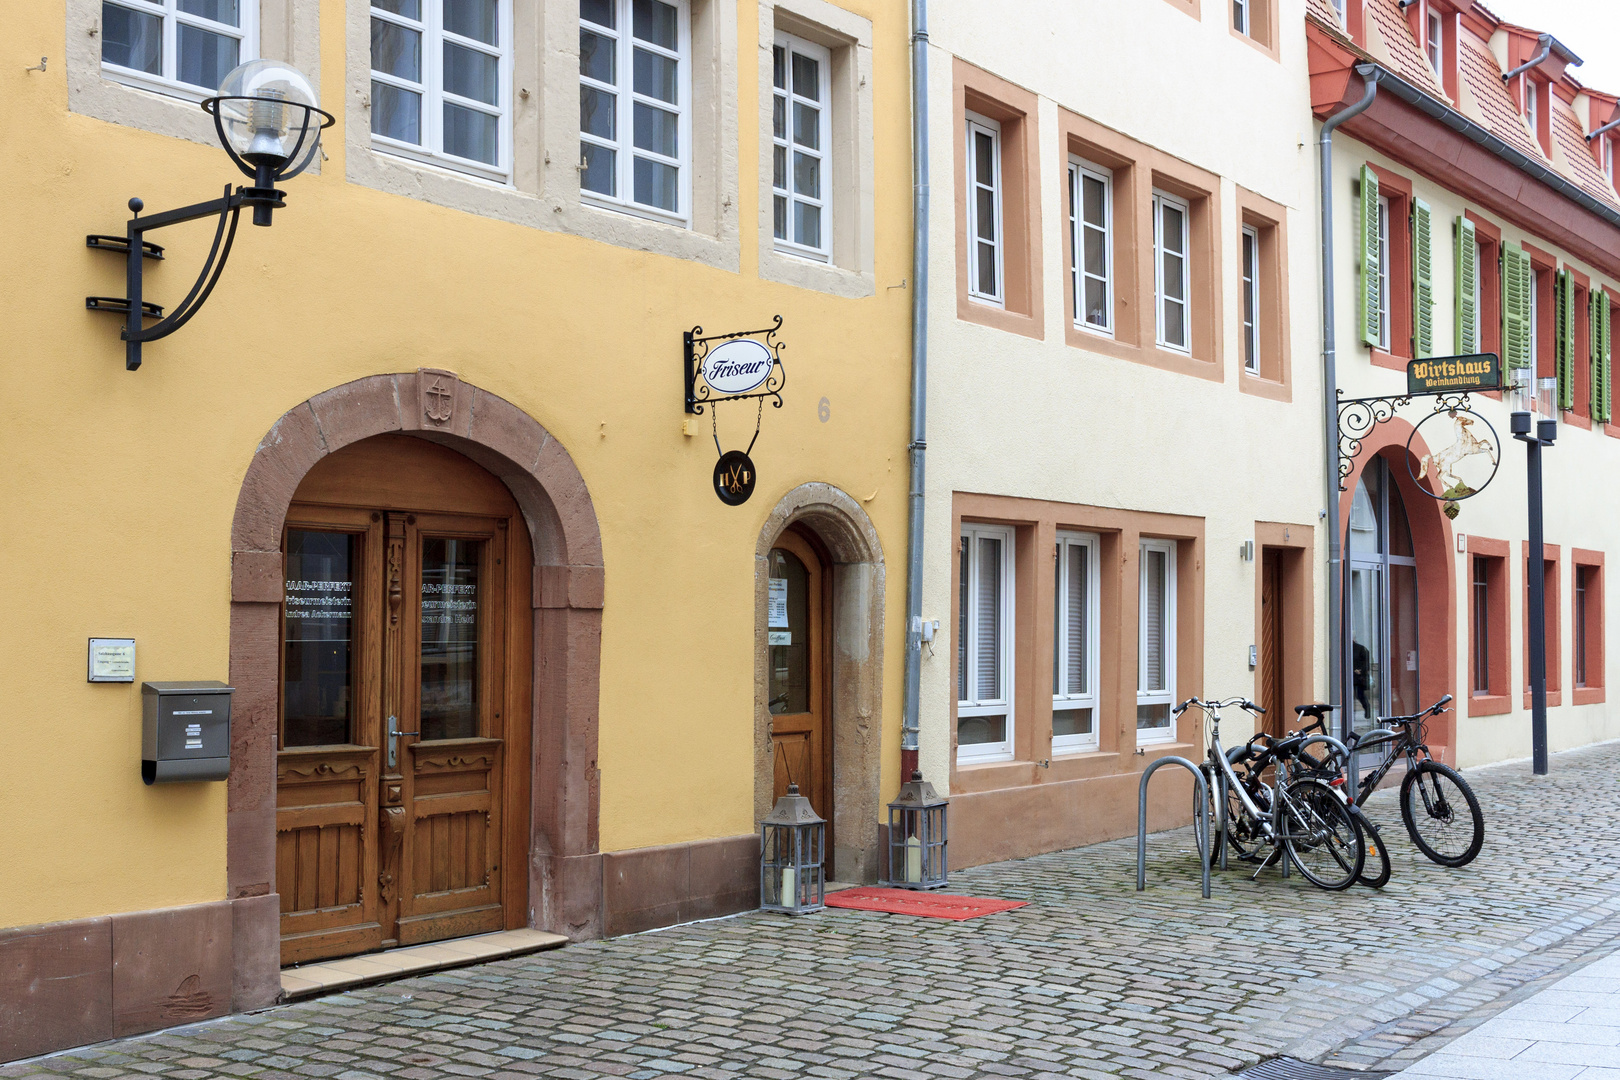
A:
(1579, 165)
(1323, 9)
(1405, 57)
(1496, 110)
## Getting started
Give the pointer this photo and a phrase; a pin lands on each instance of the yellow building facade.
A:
(422, 464)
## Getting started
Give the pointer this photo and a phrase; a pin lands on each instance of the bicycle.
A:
(1263, 750)
(1304, 820)
(1433, 794)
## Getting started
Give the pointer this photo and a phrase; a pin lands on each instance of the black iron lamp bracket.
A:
(696, 347)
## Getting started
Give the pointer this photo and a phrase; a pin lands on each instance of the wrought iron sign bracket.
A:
(697, 348)
(1359, 416)
(743, 366)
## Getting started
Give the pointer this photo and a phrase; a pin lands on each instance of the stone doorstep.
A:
(330, 976)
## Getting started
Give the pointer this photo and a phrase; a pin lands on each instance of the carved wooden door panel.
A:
(327, 768)
(797, 625)
(452, 692)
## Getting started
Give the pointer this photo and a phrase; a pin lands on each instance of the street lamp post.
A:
(1536, 402)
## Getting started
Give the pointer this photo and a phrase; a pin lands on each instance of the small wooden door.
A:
(404, 689)
(1269, 676)
(797, 645)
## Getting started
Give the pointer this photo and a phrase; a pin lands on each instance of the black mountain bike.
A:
(1438, 807)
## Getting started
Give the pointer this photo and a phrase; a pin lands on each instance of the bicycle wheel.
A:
(1243, 833)
(1441, 814)
(1375, 874)
(1321, 837)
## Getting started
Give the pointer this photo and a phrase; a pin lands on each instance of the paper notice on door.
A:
(781, 637)
(778, 608)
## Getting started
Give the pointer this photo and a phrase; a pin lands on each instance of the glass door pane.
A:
(1366, 646)
(449, 656)
(788, 634)
(318, 639)
(1403, 641)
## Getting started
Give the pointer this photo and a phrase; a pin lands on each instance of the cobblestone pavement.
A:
(1092, 979)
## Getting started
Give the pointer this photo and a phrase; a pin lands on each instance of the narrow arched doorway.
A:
(1384, 642)
(402, 786)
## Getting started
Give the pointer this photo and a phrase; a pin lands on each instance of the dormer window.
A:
(1608, 159)
(1531, 93)
(1437, 41)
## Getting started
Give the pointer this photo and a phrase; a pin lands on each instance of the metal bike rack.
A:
(1200, 820)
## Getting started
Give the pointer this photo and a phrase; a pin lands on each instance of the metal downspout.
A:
(1338, 688)
(1545, 41)
(918, 447)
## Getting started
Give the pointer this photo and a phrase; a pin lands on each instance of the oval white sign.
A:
(736, 367)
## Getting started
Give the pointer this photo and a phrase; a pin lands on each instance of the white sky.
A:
(1590, 27)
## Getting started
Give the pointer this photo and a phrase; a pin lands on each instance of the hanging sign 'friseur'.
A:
(1454, 374)
(736, 367)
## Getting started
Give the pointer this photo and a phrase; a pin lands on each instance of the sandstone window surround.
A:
(1587, 623)
(1004, 116)
(1254, 22)
(1046, 746)
(1489, 633)
(1136, 172)
(277, 29)
(845, 267)
(1266, 369)
(543, 188)
(1554, 562)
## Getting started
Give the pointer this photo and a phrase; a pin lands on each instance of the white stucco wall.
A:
(1010, 415)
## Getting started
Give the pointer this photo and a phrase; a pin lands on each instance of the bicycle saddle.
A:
(1318, 711)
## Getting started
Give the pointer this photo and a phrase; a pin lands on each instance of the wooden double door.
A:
(402, 758)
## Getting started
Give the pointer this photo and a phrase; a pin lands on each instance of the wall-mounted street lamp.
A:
(270, 123)
(1534, 422)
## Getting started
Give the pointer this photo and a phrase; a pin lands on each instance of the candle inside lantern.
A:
(790, 887)
(914, 859)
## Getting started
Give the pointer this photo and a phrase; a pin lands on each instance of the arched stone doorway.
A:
(839, 531)
(1421, 550)
(564, 864)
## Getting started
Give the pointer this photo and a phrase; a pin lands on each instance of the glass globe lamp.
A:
(269, 120)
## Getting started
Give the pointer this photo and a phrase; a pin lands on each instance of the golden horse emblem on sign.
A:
(1440, 467)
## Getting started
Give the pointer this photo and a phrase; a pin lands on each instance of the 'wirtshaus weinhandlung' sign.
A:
(1454, 374)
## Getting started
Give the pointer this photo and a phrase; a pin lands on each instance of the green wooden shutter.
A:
(1564, 337)
(1467, 301)
(1422, 279)
(1600, 356)
(1371, 332)
(1516, 279)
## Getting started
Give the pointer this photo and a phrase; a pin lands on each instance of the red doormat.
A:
(910, 902)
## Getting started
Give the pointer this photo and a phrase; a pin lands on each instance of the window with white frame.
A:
(985, 247)
(984, 645)
(1240, 16)
(1172, 274)
(801, 128)
(1075, 648)
(1383, 273)
(1251, 300)
(1156, 652)
(1530, 105)
(1091, 244)
(1608, 158)
(1437, 40)
(441, 82)
(635, 112)
(185, 45)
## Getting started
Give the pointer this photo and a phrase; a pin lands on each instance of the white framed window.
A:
(1531, 110)
(1156, 651)
(635, 106)
(1383, 273)
(441, 75)
(986, 249)
(984, 644)
(1075, 649)
(801, 128)
(1437, 41)
(1091, 244)
(1251, 300)
(178, 46)
(1608, 158)
(1240, 16)
(1338, 9)
(1172, 275)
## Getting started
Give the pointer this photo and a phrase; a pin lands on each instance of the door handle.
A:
(393, 740)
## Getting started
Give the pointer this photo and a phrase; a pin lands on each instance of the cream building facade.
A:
(1125, 453)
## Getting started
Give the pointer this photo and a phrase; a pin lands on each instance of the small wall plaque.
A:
(111, 660)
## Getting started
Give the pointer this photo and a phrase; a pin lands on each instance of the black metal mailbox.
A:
(185, 731)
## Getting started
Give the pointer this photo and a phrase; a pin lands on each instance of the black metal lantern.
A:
(793, 847)
(917, 837)
(269, 123)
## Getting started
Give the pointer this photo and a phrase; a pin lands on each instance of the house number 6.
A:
(824, 410)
